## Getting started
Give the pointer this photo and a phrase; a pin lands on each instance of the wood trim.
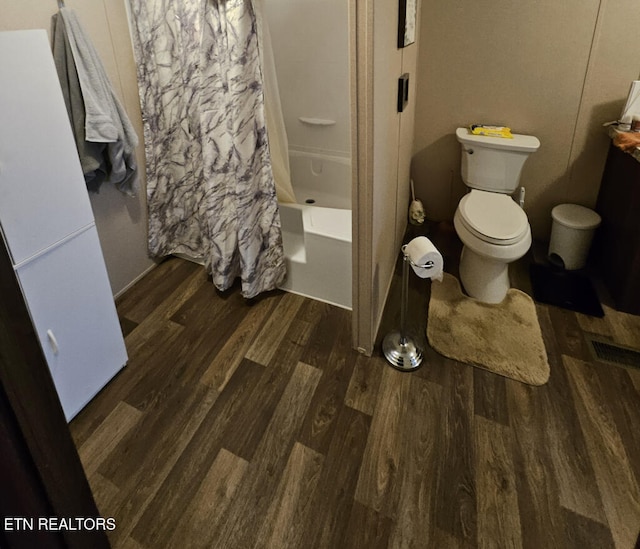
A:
(20, 481)
(362, 130)
(40, 435)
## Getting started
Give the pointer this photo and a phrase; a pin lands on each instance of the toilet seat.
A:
(493, 217)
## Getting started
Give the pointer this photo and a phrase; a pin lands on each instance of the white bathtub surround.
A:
(311, 45)
(317, 231)
(210, 185)
(311, 50)
(317, 243)
(276, 130)
(321, 177)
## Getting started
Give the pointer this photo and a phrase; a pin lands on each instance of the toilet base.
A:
(484, 279)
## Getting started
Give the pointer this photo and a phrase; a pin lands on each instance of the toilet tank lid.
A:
(519, 142)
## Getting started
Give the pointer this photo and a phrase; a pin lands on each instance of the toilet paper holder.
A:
(399, 348)
(426, 265)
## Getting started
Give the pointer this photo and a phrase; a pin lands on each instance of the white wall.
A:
(392, 148)
(121, 220)
(311, 47)
(556, 70)
(385, 140)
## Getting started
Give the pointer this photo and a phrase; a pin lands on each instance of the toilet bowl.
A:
(493, 228)
(495, 232)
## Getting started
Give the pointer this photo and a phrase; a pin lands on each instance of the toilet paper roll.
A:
(421, 251)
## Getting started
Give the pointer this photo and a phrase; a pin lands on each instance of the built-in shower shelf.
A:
(317, 121)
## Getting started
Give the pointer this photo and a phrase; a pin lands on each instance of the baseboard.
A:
(136, 279)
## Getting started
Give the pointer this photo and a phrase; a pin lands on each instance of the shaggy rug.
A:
(503, 338)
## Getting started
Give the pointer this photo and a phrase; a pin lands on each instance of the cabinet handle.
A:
(53, 341)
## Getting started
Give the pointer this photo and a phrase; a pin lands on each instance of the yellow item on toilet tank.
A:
(490, 131)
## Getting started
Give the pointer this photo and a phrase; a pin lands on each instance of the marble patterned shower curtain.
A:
(210, 187)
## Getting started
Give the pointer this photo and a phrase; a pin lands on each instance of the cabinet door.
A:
(71, 306)
(43, 196)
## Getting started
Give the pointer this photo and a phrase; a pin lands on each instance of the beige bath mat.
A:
(504, 338)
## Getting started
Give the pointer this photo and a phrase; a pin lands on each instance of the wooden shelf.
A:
(616, 250)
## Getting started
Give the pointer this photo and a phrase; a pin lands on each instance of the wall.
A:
(384, 142)
(310, 40)
(393, 140)
(121, 220)
(556, 70)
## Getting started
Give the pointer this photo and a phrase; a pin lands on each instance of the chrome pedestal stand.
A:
(399, 348)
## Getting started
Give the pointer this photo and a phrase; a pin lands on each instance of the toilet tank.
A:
(494, 163)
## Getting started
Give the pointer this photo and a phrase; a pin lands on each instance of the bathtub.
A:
(317, 231)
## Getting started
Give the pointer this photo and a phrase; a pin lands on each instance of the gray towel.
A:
(104, 135)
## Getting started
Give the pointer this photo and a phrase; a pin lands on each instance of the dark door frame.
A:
(40, 471)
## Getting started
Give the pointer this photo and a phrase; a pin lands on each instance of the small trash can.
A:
(571, 235)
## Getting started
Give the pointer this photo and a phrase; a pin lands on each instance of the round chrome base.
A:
(402, 352)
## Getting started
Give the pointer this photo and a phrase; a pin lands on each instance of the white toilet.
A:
(492, 226)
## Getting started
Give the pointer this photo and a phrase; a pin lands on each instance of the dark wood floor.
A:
(239, 425)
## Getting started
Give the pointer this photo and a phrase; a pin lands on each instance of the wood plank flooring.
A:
(253, 424)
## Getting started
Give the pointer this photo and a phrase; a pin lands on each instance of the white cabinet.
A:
(48, 226)
(42, 201)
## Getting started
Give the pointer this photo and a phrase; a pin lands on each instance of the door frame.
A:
(44, 470)
(361, 72)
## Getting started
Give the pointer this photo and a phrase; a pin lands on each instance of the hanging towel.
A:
(104, 135)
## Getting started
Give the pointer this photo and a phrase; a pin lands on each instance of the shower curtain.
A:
(210, 185)
(276, 131)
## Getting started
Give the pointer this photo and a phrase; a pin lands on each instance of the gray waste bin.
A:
(571, 235)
